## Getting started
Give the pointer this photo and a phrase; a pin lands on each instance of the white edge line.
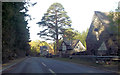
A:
(7, 67)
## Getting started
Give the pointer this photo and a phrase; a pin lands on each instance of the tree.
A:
(81, 36)
(114, 26)
(55, 21)
(70, 34)
(35, 46)
(15, 32)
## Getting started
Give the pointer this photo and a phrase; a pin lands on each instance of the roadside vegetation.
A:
(35, 47)
(15, 32)
(113, 66)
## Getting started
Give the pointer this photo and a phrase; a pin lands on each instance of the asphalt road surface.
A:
(47, 65)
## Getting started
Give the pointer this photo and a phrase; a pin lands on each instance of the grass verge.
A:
(87, 62)
(12, 62)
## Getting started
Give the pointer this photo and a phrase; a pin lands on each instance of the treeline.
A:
(35, 47)
(114, 28)
(72, 34)
(82, 36)
(15, 32)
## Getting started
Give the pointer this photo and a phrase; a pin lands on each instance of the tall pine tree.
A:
(54, 21)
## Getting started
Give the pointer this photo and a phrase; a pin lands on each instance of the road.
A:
(48, 65)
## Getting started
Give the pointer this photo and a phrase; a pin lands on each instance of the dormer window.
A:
(96, 31)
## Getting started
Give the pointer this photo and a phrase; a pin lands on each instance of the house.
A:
(71, 46)
(44, 50)
(100, 40)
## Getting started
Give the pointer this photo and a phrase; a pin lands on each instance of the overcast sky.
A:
(80, 12)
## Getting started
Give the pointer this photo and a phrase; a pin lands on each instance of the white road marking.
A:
(51, 71)
(7, 67)
(43, 64)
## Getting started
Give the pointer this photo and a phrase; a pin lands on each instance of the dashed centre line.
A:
(51, 71)
(43, 64)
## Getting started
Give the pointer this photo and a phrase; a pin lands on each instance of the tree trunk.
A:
(56, 34)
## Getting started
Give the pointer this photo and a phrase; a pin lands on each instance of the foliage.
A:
(15, 32)
(54, 44)
(114, 26)
(71, 34)
(55, 21)
(114, 22)
(82, 37)
(35, 46)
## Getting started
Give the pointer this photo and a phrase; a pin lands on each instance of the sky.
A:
(79, 11)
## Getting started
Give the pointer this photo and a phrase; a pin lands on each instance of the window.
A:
(77, 47)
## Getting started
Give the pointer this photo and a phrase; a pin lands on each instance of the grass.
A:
(13, 61)
(89, 62)
(79, 61)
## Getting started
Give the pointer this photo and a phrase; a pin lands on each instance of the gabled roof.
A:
(67, 43)
(104, 35)
(103, 17)
(74, 43)
(70, 44)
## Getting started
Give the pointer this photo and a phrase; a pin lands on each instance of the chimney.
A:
(64, 38)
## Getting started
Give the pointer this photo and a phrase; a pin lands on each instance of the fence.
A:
(97, 59)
